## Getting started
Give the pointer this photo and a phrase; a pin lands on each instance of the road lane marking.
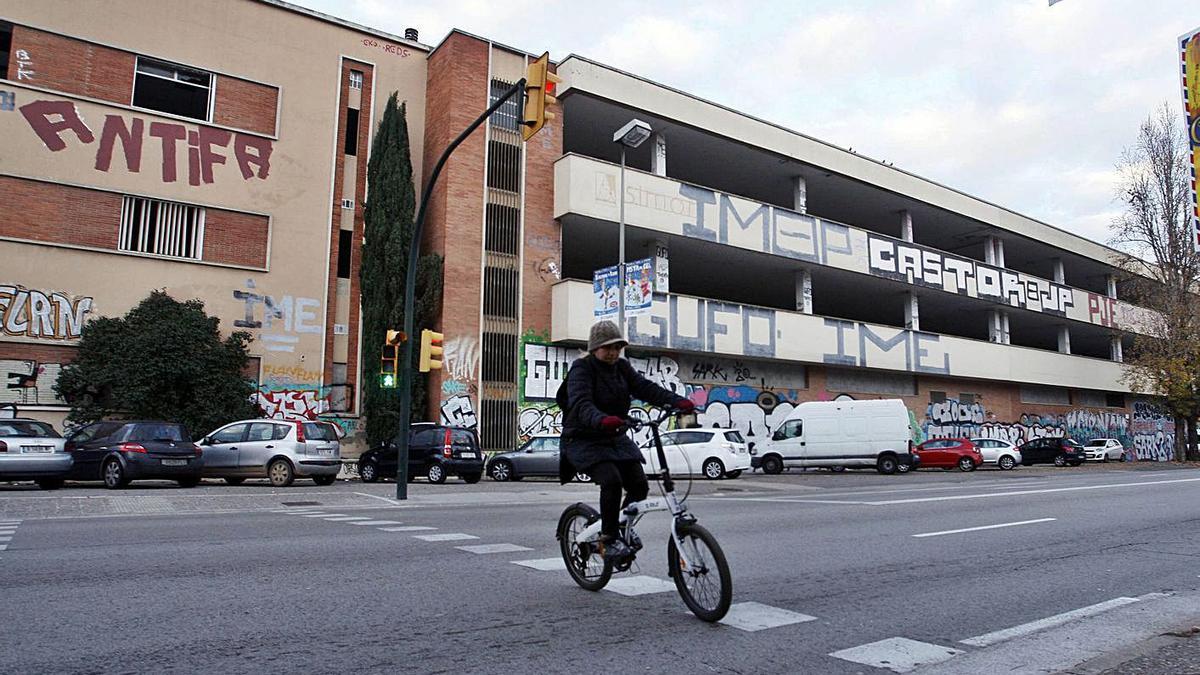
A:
(916, 500)
(543, 564)
(493, 548)
(407, 528)
(455, 536)
(344, 519)
(639, 585)
(5, 538)
(988, 639)
(899, 655)
(391, 502)
(319, 514)
(377, 522)
(984, 527)
(755, 616)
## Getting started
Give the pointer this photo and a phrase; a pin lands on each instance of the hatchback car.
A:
(713, 453)
(118, 452)
(280, 450)
(536, 457)
(1002, 453)
(1104, 450)
(32, 450)
(1059, 451)
(948, 453)
(434, 451)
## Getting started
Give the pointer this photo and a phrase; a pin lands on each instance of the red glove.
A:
(612, 423)
(685, 406)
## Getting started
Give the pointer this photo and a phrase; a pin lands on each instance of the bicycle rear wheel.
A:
(584, 562)
(706, 585)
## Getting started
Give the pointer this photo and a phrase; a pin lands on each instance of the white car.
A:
(1103, 450)
(998, 452)
(714, 453)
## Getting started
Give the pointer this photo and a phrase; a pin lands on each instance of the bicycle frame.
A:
(631, 514)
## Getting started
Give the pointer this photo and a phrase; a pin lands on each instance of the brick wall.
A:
(245, 105)
(62, 214)
(77, 67)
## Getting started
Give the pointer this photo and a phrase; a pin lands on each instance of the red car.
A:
(947, 453)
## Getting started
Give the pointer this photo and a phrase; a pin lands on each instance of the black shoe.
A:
(616, 550)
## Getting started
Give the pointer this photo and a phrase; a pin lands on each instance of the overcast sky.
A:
(1012, 101)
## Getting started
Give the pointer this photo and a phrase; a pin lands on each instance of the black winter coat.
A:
(594, 391)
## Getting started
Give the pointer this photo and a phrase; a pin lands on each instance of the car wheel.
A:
(1105, 460)
(1123, 457)
(1006, 462)
(734, 474)
(501, 471)
(281, 474)
(966, 464)
(235, 480)
(368, 472)
(50, 483)
(324, 480)
(772, 465)
(1060, 460)
(713, 468)
(583, 477)
(902, 467)
(471, 478)
(435, 473)
(188, 482)
(887, 465)
(114, 475)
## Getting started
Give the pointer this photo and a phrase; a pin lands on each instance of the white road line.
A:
(916, 500)
(899, 655)
(319, 514)
(344, 519)
(493, 548)
(984, 527)
(377, 522)
(544, 564)
(3, 547)
(407, 528)
(754, 616)
(639, 585)
(5, 538)
(456, 536)
(391, 502)
(1049, 622)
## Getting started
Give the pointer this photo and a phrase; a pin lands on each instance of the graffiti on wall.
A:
(8, 101)
(699, 325)
(27, 382)
(859, 344)
(282, 319)
(41, 315)
(457, 411)
(1153, 432)
(461, 358)
(292, 403)
(24, 65)
(56, 123)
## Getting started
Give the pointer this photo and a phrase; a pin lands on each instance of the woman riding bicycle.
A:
(600, 388)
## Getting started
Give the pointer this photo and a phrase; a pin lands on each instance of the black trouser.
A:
(611, 476)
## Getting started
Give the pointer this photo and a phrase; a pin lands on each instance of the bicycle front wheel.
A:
(703, 581)
(584, 561)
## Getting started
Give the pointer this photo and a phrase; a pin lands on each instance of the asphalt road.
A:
(1034, 570)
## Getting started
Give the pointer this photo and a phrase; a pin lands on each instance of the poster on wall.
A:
(1189, 54)
(639, 286)
(662, 272)
(605, 291)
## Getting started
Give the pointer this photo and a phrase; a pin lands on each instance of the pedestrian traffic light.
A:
(431, 351)
(389, 370)
(540, 88)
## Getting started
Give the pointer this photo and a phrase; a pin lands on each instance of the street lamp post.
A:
(631, 135)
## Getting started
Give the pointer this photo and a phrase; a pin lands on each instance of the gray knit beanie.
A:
(605, 333)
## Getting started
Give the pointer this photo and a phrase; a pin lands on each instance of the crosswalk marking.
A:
(1049, 622)
(639, 585)
(899, 655)
(377, 522)
(5, 538)
(755, 616)
(493, 548)
(456, 536)
(407, 528)
(544, 564)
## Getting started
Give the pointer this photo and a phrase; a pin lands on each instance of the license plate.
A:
(174, 462)
(325, 451)
(467, 455)
(32, 449)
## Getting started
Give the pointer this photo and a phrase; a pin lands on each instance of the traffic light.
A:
(540, 86)
(389, 370)
(431, 351)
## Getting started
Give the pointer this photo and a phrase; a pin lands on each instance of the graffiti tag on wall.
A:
(457, 411)
(24, 65)
(28, 382)
(289, 403)
(40, 315)
(858, 344)
(1153, 432)
(283, 317)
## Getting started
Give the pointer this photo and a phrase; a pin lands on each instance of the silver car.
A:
(998, 452)
(32, 450)
(281, 450)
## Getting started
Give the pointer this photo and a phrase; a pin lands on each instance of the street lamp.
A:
(631, 135)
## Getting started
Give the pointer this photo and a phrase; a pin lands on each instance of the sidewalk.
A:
(1176, 652)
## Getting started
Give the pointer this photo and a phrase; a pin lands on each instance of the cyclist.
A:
(599, 389)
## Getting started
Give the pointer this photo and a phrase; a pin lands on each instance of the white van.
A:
(840, 434)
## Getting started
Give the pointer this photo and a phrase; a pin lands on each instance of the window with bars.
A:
(161, 228)
(502, 228)
(504, 166)
(499, 360)
(500, 292)
(507, 116)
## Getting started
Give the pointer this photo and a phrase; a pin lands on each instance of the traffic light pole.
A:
(410, 282)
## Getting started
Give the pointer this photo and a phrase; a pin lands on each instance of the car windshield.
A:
(22, 428)
(1097, 443)
(462, 437)
(734, 437)
(158, 432)
(319, 431)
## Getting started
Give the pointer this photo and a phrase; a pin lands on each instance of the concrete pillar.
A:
(906, 228)
(804, 292)
(989, 250)
(799, 194)
(658, 156)
(1111, 282)
(1064, 339)
(998, 327)
(912, 312)
(1060, 274)
(1004, 328)
(1116, 349)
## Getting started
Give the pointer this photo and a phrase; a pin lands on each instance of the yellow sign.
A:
(1189, 54)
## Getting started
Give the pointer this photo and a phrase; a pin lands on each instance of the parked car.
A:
(280, 450)
(538, 456)
(118, 452)
(713, 453)
(33, 450)
(1059, 451)
(434, 451)
(948, 453)
(1002, 453)
(1104, 450)
(833, 434)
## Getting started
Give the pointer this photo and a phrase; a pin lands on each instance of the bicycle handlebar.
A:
(662, 417)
